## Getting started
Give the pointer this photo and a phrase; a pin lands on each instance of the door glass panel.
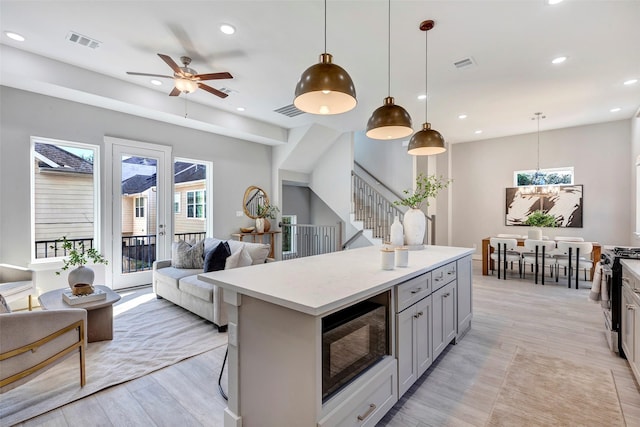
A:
(139, 207)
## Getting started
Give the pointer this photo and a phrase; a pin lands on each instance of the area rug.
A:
(541, 390)
(149, 334)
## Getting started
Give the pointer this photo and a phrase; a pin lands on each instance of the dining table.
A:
(487, 250)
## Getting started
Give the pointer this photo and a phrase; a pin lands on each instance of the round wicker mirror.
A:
(253, 197)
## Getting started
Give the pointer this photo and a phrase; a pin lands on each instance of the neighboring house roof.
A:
(138, 184)
(61, 160)
(186, 172)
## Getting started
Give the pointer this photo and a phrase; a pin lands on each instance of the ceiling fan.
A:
(186, 79)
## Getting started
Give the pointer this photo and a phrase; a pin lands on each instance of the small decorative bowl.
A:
(247, 229)
(82, 289)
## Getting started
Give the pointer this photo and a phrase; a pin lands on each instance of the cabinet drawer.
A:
(443, 275)
(369, 403)
(412, 291)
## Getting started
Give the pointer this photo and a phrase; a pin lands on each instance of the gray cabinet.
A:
(444, 317)
(630, 315)
(413, 337)
(464, 297)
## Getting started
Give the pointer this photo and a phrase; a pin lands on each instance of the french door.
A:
(141, 222)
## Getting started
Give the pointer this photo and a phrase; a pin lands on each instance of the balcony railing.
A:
(138, 251)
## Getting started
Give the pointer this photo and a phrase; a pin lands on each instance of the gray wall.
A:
(600, 156)
(296, 200)
(236, 164)
(388, 161)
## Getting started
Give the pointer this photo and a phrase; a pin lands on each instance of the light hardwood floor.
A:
(458, 390)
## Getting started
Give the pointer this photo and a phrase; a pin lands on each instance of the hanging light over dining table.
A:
(427, 141)
(325, 88)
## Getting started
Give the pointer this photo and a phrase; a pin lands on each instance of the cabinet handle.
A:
(416, 315)
(420, 313)
(451, 272)
(415, 291)
(447, 294)
(631, 307)
(364, 416)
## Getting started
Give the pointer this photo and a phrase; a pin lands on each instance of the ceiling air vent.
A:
(465, 63)
(83, 40)
(227, 90)
(289, 110)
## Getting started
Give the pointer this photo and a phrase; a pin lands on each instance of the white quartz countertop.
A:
(633, 265)
(320, 284)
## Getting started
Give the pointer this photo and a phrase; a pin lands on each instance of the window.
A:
(176, 203)
(196, 204)
(288, 233)
(139, 207)
(555, 176)
(64, 195)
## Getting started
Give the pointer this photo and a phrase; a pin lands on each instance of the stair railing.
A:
(376, 211)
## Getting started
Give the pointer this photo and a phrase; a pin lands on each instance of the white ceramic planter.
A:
(414, 226)
(81, 275)
(535, 233)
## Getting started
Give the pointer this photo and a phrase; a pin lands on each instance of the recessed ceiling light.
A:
(422, 97)
(631, 82)
(559, 60)
(552, 2)
(462, 116)
(156, 82)
(14, 36)
(615, 110)
(240, 108)
(478, 132)
(227, 29)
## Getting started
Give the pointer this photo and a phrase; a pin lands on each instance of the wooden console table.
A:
(487, 250)
(271, 234)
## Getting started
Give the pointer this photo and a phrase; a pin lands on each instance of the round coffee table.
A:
(99, 313)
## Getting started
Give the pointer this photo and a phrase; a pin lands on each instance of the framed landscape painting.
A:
(566, 206)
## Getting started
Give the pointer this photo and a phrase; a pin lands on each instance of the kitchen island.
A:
(276, 313)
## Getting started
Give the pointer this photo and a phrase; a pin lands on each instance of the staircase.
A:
(371, 212)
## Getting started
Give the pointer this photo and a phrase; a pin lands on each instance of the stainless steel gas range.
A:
(612, 272)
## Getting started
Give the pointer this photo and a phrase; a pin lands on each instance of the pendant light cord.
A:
(426, 76)
(538, 164)
(389, 53)
(325, 26)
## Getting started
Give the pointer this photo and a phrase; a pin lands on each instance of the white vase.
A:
(259, 225)
(81, 275)
(396, 233)
(414, 227)
(535, 233)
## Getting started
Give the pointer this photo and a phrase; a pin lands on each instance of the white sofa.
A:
(182, 287)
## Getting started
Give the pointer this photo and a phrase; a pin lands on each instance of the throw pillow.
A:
(185, 255)
(4, 306)
(216, 259)
(245, 259)
(239, 258)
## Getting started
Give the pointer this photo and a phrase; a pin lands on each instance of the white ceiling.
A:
(512, 43)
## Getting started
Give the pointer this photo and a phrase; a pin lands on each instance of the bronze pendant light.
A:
(427, 141)
(389, 121)
(325, 88)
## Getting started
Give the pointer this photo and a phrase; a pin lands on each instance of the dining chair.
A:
(540, 253)
(576, 258)
(505, 253)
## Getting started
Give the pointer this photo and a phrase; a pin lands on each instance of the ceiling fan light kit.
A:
(187, 80)
(427, 141)
(390, 121)
(325, 88)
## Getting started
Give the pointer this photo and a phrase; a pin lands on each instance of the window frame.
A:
(569, 170)
(96, 175)
(195, 204)
(139, 208)
(293, 220)
(177, 202)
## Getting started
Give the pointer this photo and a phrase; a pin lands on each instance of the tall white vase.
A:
(396, 233)
(534, 233)
(414, 226)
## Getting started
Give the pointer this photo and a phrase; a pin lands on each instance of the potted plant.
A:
(427, 186)
(539, 219)
(264, 212)
(81, 278)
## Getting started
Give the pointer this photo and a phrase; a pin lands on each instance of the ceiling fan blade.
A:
(149, 75)
(213, 76)
(175, 92)
(212, 90)
(171, 63)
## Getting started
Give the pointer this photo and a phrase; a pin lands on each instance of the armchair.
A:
(33, 341)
